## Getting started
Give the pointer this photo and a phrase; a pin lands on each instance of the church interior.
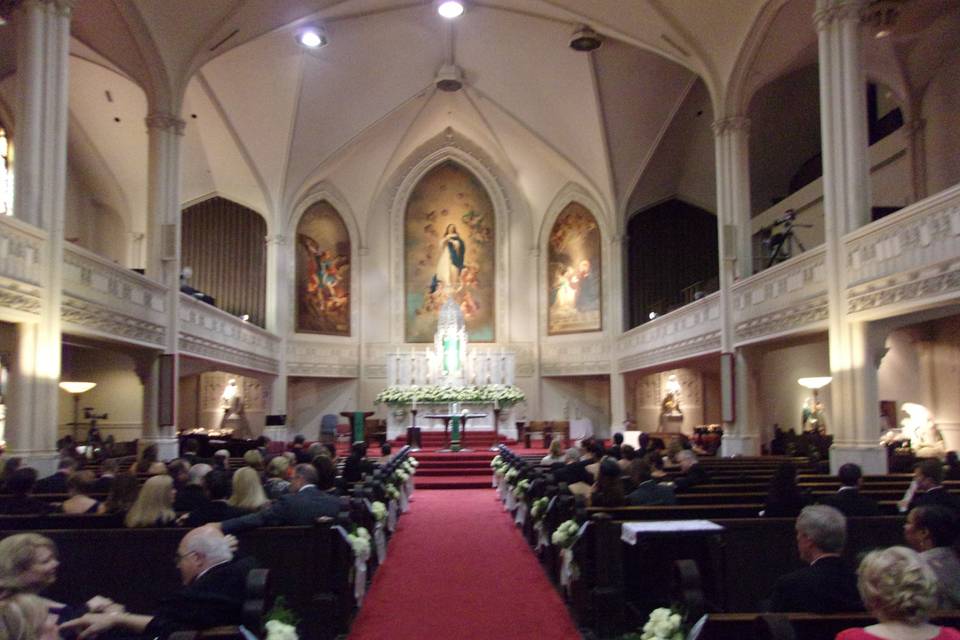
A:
(731, 224)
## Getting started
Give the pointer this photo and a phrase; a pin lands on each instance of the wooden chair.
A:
(534, 430)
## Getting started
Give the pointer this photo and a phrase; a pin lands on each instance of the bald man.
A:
(212, 595)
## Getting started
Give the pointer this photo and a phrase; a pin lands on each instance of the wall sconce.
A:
(76, 389)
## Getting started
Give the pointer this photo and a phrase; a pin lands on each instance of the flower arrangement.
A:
(379, 511)
(360, 542)
(391, 492)
(521, 489)
(503, 394)
(539, 508)
(566, 534)
(511, 476)
(413, 461)
(280, 622)
(407, 468)
(496, 463)
(664, 624)
(400, 476)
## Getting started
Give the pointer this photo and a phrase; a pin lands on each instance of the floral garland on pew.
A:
(359, 541)
(663, 624)
(379, 512)
(538, 512)
(565, 536)
(281, 622)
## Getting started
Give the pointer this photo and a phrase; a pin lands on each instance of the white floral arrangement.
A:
(407, 468)
(664, 624)
(379, 511)
(413, 461)
(566, 534)
(539, 508)
(400, 476)
(504, 395)
(496, 463)
(277, 630)
(391, 492)
(511, 475)
(521, 489)
(360, 542)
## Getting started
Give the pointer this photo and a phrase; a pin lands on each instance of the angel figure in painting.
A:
(450, 262)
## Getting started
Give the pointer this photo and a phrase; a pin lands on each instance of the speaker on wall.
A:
(276, 420)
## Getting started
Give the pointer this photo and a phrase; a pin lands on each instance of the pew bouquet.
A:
(539, 508)
(391, 492)
(379, 511)
(280, 622)
(511, 476)
(566, 534)
(521, 489)
(664, 624)
(360, 543)
(496, 463)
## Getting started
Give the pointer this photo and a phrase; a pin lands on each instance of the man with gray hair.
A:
(826, 585)
(213, 593)
(691, 473)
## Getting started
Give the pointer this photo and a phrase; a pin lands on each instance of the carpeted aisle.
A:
(458, 568)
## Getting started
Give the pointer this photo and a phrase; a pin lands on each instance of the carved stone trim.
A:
(730, 125)
(694, 346)
(106, 321)
(192, 345)
(165, 122)
(25, 300)
(831, 11)
(790, 318)
(928, 282)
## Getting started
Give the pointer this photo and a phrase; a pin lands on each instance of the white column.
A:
(164, 131)
(843, 122)
(43, 44)
(615, 315)
(279, 305)
(918, 158)
(733, 234)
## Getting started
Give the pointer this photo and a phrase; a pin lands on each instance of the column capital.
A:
(165, 122)
(730, 124)
(278, 240)
(62, 7)
(831, 11)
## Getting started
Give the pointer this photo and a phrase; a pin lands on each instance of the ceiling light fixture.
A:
(882, 16)
(312, 37)
(585, 39)
(450, 9)
(449, 78)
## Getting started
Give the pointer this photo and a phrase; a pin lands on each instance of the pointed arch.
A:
(325, 192)
(573, 194)
(447, 146)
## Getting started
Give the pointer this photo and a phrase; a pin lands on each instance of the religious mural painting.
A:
(449, 250)
(323, 272)
(573, 272)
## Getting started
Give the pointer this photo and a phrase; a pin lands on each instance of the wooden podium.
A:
(357, 419)
(454, 440)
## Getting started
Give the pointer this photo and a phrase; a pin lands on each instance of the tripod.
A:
(780, 245)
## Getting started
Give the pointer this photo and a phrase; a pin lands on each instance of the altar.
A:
(451, 378)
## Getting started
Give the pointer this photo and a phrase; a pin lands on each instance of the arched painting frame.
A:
(449, 248)
(322, 283)
(574, 275)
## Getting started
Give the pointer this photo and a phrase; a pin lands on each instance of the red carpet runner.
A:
(458, 569)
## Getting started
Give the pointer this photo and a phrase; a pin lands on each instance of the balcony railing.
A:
(20, 246)
(214, 334)
(689, 331)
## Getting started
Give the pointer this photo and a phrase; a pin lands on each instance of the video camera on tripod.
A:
(779, 245)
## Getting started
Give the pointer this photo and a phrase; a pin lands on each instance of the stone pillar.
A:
(279, 303)
(846, 195)
(164, 131)
(615, 315)
(733, 234)
(149, 370)
(40, 164)
(918, 157)
(746, 439)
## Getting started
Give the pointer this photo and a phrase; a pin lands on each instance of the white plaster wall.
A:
(697, 396)
(309, 399)
(781, 397)
(898, 377)
(941, 110)
(576, 398)
(118, 393)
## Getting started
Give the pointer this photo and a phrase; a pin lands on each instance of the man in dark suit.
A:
(827, 585)
(213, 593)
(648, 491)
(848, 499)
(691, 471)
(57, 483)
(21, 484)
(928, 476)
(303, 505)
(108, 471)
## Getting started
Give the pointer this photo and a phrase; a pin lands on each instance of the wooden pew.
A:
(805, 626)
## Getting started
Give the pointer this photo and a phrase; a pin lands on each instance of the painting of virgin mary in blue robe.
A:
(449, 244)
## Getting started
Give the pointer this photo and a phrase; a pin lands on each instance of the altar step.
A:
(459, 470)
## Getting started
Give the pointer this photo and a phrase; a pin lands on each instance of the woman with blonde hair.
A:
(277, 483)
(154, 505)
(27, 617)
(900, 589)
(247, 491)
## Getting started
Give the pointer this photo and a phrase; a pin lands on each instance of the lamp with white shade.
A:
(76, 389)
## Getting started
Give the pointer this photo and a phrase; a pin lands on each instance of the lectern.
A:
(356, 419)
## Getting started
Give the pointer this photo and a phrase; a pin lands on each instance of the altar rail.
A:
(214, 334)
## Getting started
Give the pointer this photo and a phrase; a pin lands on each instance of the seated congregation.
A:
(773, 534)
(97, 548)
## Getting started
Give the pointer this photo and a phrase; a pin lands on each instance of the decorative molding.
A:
(165, 122)
(914, 287)
(572, 358)
(106, 321)
(196, 346)
(733, 124)
(323, 360)
(90, 277)
(688, 331)
(793, 318)
(830, 11)
(15, 297)
(698, 345)
(212, 333)
(21, 245)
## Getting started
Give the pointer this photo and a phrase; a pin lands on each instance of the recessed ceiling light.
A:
(450, 9)
(312, 37)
